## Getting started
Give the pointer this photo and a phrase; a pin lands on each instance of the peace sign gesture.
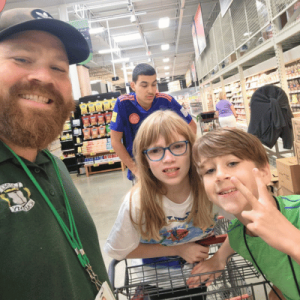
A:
(266, 221)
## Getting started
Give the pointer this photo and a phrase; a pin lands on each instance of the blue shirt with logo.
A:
(128, 116)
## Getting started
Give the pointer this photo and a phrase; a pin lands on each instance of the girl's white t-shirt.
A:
(124, 236)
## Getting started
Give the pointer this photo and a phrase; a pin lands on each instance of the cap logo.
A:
(40, 14)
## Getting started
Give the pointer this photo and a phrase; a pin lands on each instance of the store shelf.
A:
(294, 92)
(100, 138)
(98, 153)
(292, 78)
(65, 150)
(68, 157)
(65, 141)
(103, 163)
(97, 112)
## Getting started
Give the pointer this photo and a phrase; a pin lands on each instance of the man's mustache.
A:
(46, 90)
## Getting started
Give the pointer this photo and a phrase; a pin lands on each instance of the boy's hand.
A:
(265, 220)
(206, 266)
(192, 252)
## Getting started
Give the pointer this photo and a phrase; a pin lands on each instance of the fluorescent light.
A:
(96, 30)
(129, 73)
(120, 60)
(167, 77)
(127, 37)
(165, 47)
(123, 16)
(133, 18)
(94, 81)
(164, 22)
(167, 73)
(105, 51)
(166, 59)
(166, 68)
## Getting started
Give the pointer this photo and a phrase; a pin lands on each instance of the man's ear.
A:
(266, 173)
(132, 85)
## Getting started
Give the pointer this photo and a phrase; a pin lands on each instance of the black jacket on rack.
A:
(271, 116)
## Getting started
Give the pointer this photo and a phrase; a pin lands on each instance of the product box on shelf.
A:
(297, 151)
(296, 129)
(289, 173)
(282, 191)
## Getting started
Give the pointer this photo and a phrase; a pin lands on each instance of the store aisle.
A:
(103, 194)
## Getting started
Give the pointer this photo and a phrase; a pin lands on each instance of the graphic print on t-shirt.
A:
(16, 196)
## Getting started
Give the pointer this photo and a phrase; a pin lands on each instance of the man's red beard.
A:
(32, 127)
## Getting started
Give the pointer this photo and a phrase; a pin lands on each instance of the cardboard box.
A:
(297, 151)
(289, 174)
(296, 129)
(282, 191)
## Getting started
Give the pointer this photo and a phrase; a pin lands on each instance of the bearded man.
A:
(49, 247)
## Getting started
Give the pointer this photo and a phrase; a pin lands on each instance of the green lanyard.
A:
(72, 233)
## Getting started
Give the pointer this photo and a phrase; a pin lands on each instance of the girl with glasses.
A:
(167, 206)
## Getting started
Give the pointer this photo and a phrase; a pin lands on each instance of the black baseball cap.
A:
(22, 19)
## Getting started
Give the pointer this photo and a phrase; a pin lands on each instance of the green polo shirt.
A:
(273, 263)
(36, 260)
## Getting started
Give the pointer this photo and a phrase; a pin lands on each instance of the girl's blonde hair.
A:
(222, 96)
(151, 219)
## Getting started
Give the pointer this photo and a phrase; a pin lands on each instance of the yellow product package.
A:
(106, 104)
(83, 108)
(112, 103)
(99, 106)
(91, 106)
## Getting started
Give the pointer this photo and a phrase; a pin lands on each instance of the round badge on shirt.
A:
(134, 118)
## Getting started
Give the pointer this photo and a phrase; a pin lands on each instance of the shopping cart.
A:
(167, 279)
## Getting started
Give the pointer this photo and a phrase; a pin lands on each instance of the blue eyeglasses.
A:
(158, 153)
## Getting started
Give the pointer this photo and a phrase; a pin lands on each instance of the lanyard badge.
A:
(70, 232)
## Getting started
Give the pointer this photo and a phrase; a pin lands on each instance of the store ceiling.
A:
(116, 14)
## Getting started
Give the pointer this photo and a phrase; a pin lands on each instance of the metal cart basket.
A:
(167, 279)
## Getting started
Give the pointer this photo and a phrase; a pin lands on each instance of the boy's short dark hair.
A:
(142, 69)
(230, 141)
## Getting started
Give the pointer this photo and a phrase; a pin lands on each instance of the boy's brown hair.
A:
(230, 141)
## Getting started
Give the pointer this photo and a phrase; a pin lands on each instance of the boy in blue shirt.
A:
(130, 111)
(235, 171)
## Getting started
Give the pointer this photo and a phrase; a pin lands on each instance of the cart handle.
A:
(111, 272)
(216, 239)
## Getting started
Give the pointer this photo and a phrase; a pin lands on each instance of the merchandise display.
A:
(95, 148)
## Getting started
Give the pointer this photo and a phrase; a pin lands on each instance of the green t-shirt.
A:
(273, 263)
(37, 261)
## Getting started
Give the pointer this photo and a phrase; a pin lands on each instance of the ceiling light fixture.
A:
(127, 37)
(164, 22)
(120, 60)
(167, 73)
(133, 19)
(106, 51)
(117, 17)
(96, 30)
(165, 47)
(166, 59)
(166, 68)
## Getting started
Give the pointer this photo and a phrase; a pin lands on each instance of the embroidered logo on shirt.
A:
(134, 118)
(17, 197)
(114, 117)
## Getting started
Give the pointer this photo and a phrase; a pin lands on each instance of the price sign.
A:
(111, 162)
